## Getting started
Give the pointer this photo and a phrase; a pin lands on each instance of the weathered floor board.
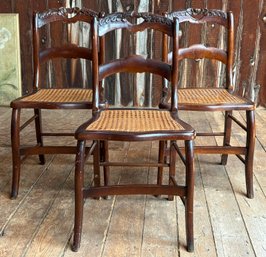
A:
(40, 221)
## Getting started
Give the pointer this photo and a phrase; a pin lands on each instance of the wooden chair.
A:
(49, 98)
(217, 99)
(134, 124)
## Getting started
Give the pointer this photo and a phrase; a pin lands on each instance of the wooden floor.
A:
(40, 221)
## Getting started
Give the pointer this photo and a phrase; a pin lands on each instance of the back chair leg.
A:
(106, 159)
(16, 159)
(227, 135)
(79, 198)
(190, 194)
(161, 158)
(172, 167)
(250, 143)
(97, 175)
(106, 169)
(38, 128)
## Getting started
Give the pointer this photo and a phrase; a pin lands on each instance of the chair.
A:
(212, 99)
(134, 124)
(49, 98)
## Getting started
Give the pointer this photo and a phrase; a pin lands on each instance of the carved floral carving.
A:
(65, 13)
(124, 17)
(197, 14)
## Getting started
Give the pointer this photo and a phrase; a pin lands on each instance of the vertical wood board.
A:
(250, 60)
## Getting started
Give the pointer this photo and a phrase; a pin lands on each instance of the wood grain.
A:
(261, 76)
(6, 6)
(40, 221)
(249, 59)
(24, 8)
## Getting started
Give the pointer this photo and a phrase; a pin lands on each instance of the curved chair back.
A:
(134, 62)
(44, 54)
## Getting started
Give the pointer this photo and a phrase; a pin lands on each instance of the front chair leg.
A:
(227, 135)
(190, 194)
(16, 159)
(38, 129)
(79, 197)
(250, 144)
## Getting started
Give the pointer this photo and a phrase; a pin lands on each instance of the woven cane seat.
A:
(207, 96)
(68, 95)
(135, 121)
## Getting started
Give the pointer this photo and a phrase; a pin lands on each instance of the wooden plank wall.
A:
(250, 57)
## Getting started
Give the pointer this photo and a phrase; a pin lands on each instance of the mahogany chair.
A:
(134, 124)
(214, 98)
(49, 98)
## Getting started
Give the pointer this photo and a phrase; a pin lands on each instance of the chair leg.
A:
(79, 198)
(38, 128)
(172, 167)
(161, 159)
(106, 169)
(250, 143)
(190, 194)
(106, 159)
(16, 160)
(96, 172)
(227, 135)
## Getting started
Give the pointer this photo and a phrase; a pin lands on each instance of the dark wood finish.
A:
(133, 63)
(6, 6)
(42, 215)
(24, 8)
(247, 49)
(42, 56)
(249, 58)
(197, 51)
(211, 36)
(193, 67)
(261, 76)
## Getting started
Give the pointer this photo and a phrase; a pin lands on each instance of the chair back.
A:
(48, 48)
(134, 62)
(224, 54)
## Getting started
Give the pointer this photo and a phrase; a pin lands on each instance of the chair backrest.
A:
(47, 51)
(134, 62)
(202, 51)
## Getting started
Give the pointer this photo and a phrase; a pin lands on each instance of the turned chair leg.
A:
(16, 159)
(79, 198)
(250, 143)
(38, 129)
(227, 135)
(190, 194)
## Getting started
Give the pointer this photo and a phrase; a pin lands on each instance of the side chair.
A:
(134, 124)
(211, 98)
(49, 98)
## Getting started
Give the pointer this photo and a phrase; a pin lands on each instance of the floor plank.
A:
(253, 212)
(40, 221)
(160, 222)
(126, 227)
(98, 214)
(203, 231)
(229, 231)
(27, 220)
